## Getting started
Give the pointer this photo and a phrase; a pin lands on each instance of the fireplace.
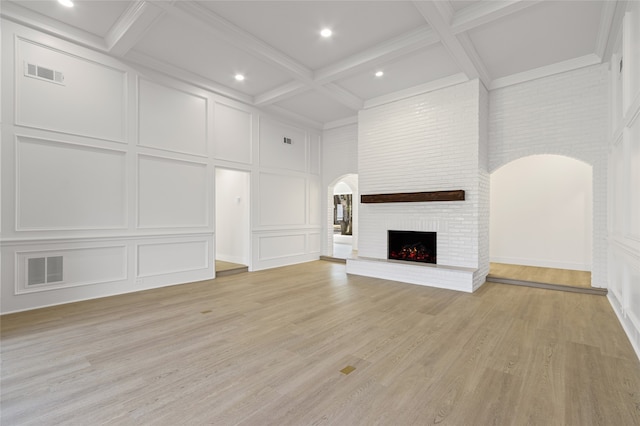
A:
(412, 246)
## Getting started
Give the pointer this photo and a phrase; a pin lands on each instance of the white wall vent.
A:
(43, 270)
(43, 73)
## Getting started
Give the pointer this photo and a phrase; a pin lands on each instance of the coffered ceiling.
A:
(292, 70)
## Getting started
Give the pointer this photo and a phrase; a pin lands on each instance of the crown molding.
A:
(186, 76)
(546, 71)
(22, 15)
(417, 90)
(341, 95)
(483, 12)
(280, 93)
(340, 123)
(198, 15)
(132, 25)
(605, 27)
(292, 116)
(405, 43)
(615, 29)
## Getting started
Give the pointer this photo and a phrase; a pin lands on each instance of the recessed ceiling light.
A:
(379, 73)
(66, 3)
(326, 32)
(239, 77)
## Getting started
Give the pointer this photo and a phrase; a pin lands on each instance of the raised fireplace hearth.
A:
(412, 246)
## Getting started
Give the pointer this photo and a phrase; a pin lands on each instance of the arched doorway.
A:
(342, 216)
(542, 214)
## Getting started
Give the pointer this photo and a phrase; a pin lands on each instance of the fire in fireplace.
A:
(412, 246)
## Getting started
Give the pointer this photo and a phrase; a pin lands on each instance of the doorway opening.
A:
(233, 221)
(342, 223)
(541, 223)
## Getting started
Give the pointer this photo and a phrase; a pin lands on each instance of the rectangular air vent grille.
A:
(43, 270)
(43, 73)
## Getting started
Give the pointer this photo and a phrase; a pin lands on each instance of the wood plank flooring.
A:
(268, 347)
(566, 277)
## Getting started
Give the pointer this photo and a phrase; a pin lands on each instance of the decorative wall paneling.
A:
(624, 177)
(114, 170)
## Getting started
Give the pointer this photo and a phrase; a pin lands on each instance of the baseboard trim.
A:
(547, 286)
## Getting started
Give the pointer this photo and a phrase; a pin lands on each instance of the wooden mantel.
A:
(414, 197)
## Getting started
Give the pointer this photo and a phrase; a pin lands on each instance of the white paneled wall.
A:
(624, 178)
(113, 170)
(91, 101)
(172, 120)
(51, 197)
(564, 114)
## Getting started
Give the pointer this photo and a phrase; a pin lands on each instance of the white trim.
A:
(542, 263)
(204, 164)
(185, 76)
(341, 95)
(403, 44)
(484, 12)
(23, 16)
(285, 114)
(605, 28)
(17, 98)
(546, 71)
(280, 93)
(340, 123)
(131, 26)
(195, 14)
(97, 239)
(625, 325)
(23, 288)
(417, 90)
(48, 141)
(204, 154)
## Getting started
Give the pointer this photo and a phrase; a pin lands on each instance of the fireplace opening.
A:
(412, 246)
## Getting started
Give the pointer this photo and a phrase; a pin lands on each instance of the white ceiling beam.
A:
(293, 116)
(24, 16)
(604, 30)
(132, 25)
(557, 68)
(195, 14)
(186, 76)
(614, 31)
(483, 12)
(438, 18)
(383, 52)
(340, 123)
(283, 92)
(341, 95)
(417, 90)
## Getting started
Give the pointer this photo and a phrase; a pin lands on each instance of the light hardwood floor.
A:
(266, 348)
(568, 277)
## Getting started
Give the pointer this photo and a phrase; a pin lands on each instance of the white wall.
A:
(541, 213)
(339, 159)
(429, 142)
(233, 219)
(564, 114)
(114, 171)
(624, 178)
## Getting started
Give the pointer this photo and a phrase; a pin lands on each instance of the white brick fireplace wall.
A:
(430, 142)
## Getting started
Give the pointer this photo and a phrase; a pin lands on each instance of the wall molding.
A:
(207, 113)
(18, 121)
(77, 145)
(20, 258)
(546, 71)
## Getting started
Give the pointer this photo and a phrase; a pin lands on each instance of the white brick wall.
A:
(429, 142)
(564, 114)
